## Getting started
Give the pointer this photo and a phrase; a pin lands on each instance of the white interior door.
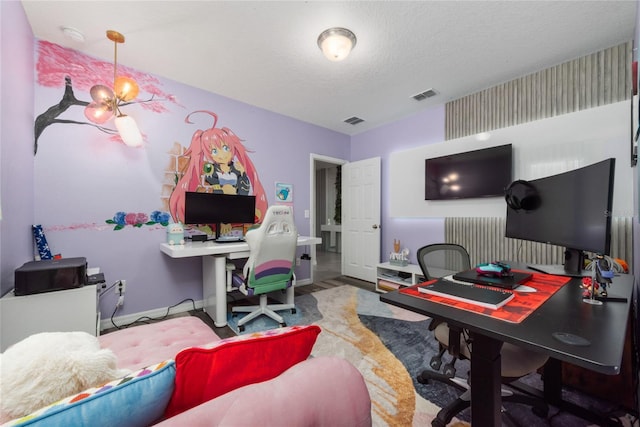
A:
(361, 218)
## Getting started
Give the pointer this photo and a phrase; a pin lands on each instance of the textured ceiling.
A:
(265, 54)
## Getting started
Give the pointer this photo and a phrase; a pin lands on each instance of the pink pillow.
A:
(203, 374)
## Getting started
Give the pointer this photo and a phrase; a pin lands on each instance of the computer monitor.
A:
(571, 209)
(218, 208)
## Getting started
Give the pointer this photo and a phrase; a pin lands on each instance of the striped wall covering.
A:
(594, 80)
(484, 240)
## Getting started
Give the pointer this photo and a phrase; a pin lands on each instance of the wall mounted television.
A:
(573, 210)
(218, 208)
(472, 174)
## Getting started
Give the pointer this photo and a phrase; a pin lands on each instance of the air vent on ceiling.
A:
(354, 120)
(424, 95)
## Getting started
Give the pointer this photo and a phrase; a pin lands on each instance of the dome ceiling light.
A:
(336, 43)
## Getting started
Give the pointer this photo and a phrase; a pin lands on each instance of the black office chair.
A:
(440, 260)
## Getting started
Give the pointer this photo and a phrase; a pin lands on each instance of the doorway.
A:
(325, 219)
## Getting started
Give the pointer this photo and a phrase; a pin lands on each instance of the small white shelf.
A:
(390, 277)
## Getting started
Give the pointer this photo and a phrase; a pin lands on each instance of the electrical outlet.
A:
(298, 261)
(121, 287)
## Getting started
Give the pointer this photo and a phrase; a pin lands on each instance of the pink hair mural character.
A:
(218, 163)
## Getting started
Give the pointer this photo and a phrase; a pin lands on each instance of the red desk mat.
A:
(516, 310)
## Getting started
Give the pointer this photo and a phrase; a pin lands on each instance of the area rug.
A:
(359, 328)
(390, 346)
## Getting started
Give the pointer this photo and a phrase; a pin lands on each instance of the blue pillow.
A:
(138, 399)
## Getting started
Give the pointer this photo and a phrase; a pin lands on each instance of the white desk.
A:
(214, 281)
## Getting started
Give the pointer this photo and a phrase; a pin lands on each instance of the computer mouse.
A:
(495, 269)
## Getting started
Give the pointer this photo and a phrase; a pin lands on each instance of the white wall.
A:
(541, 148)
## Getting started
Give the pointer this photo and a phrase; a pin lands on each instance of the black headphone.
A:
(522, 195)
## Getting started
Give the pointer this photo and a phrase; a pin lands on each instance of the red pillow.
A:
(203, 374)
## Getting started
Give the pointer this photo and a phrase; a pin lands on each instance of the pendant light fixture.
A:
(336, 43)
(107, 101)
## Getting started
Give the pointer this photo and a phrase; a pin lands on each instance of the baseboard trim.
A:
(105, 323)
(155, 313)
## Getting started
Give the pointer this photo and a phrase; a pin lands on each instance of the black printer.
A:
(50, 275)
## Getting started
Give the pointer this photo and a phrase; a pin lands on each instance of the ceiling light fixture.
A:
(336, 43)
(107, 102)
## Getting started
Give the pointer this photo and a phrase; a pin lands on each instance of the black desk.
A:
(603, 325)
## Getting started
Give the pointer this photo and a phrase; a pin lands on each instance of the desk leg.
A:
(553, 395)
(486, 400)
(214, 288)
(553, 381)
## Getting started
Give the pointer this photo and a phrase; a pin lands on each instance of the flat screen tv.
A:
(479, 173)
(218, 208)
(571, 209)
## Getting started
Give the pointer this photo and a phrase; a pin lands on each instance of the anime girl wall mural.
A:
(217, 163)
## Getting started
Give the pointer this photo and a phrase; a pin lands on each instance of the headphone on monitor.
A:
(522, 195)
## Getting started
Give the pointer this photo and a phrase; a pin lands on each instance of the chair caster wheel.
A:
(449, 370)
(241, 328)
(293, 311)
(435, 363)
(423, 379)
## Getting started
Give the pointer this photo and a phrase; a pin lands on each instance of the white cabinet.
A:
(390, 277)
(58, 311)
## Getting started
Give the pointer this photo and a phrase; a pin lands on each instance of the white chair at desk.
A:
(271, 264)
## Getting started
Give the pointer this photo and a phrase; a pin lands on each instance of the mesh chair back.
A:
(443, 259)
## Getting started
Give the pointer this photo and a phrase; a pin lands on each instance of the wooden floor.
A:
(328, 265)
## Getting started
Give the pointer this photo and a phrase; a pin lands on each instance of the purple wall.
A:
(426, 127)
(16, 135)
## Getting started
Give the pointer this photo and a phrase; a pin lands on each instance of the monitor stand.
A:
(573, 262)
(224, 239)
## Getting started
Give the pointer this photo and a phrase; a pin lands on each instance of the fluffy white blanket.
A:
(49, 366)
